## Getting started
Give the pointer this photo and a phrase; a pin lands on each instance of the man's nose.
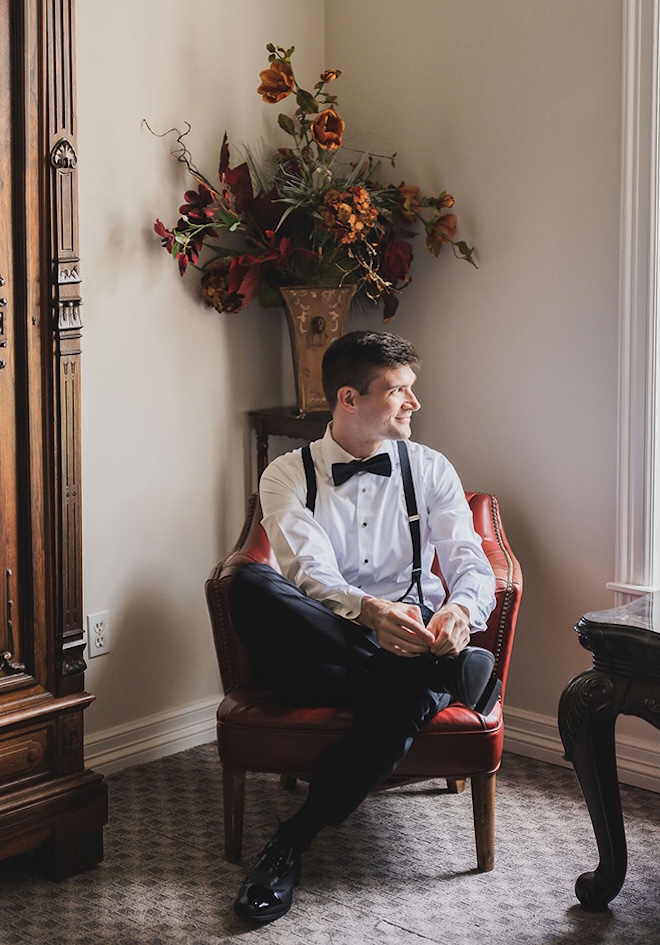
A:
(412, 400)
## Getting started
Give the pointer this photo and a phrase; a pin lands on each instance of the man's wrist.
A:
(463, 607)
(367, 612)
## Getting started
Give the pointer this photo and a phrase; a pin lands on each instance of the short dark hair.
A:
(354, 359)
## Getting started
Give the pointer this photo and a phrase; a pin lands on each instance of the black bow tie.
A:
(380, 464)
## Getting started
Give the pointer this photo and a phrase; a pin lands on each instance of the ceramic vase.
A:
(315, 317)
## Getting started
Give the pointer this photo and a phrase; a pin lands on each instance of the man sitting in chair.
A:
(358, 619)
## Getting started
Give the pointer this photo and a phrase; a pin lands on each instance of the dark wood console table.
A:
(285, 421)
(625, 680)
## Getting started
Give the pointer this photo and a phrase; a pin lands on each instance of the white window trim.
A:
(637, 567)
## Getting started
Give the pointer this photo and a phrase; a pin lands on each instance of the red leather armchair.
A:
(255, 733)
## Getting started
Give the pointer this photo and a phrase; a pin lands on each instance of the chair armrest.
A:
(508, 580)
(251, 546)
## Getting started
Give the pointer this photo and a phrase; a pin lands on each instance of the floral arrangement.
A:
(306, 215)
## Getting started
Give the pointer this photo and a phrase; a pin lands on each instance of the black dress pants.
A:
(308, 655)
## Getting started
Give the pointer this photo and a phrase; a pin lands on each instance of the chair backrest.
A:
(253, 546)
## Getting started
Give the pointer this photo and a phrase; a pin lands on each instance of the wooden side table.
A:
(285, 421)
(625, 680)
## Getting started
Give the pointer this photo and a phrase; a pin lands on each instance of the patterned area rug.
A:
(401, 871)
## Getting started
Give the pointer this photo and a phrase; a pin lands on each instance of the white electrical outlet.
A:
(98, 633)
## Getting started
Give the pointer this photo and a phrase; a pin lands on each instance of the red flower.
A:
(397, 257)
(167, 235)
(237, 179)
(246, 271)
(198, 208)
(239, 182)
(189, 248)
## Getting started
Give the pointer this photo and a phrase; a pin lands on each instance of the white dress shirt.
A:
(357, 543)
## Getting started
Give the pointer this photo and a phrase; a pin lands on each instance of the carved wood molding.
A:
(67, 329)
(587, 693)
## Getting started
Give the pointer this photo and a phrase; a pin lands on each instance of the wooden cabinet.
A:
(49, 801)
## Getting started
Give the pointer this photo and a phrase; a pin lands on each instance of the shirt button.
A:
(364, 524)
(366, 561)
(363, 489)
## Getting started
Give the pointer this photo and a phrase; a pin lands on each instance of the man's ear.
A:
(347, 398)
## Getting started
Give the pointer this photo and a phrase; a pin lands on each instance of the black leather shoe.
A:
(476, 686)
(469, 677)
(267, 891)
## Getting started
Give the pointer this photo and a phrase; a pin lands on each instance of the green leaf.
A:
(286, 124)
(306, 101)
(465, 252)
(270, 47)
(269, 296)
(390, 305)
(226, 218)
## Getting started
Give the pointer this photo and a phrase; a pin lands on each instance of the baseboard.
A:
(150, 738)
(537, 736)
(526, 733)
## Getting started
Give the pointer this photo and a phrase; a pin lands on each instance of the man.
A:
(357, 618)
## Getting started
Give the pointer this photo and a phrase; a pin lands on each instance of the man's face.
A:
(384, 412)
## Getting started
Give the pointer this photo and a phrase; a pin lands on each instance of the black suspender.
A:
(413, 521)
(411, 507)
(310, 474)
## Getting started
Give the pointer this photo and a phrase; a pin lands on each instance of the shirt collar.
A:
(331, 452)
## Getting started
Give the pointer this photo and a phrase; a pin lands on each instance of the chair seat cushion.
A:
(256, 733)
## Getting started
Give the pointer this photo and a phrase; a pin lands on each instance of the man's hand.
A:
(450, 627)
(399, 627)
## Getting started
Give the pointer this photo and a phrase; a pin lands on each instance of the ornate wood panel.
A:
(9, 572)
(42, 697)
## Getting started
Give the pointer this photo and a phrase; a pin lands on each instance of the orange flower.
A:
(276, 82)
(216, 291)
(442, 230)
(329, 76)
(349, 214)
(327, 129)
(410, 205)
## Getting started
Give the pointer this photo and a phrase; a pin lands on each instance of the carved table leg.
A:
(588, 710)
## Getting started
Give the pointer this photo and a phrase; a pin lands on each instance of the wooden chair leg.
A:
(455, 786)
(483, 807)
(233, 792)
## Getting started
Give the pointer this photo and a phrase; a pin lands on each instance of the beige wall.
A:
(514, 106)
(167, 382)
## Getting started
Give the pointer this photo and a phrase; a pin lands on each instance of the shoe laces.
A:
(276, 856)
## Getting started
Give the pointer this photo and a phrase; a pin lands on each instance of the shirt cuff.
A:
(348, 604)
(475, 616)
